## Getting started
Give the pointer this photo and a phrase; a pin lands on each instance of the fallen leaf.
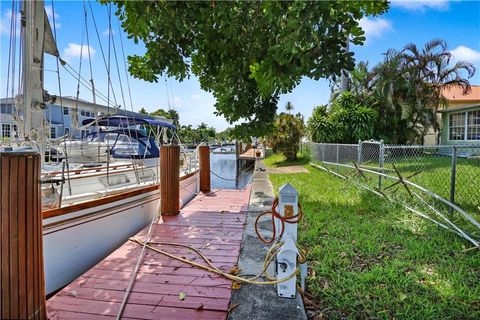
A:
(181, 296)
(234, 270)
(207, 245)
(236, 285)
(233, 306)
(200, 307)
(343, 254)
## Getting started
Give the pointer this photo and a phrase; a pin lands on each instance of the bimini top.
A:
(124, 121)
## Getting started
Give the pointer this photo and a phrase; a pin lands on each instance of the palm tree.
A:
(289, 107)
(173, 114)
(430, 71)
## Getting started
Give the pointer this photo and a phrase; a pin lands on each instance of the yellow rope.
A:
(212, 268)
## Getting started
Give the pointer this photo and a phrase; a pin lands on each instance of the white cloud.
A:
(49, 11)
(195, 97)
(5, 22)
(375, 27)
(73, 50)
(421, 5)
(106, 33)
(462, 53)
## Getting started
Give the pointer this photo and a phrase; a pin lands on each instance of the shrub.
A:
(347, 122)
(286, 137)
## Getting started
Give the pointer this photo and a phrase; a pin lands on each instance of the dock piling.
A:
(204, 158)
(22, 291)
(170, 180)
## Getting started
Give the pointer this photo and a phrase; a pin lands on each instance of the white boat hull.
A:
(76, 241)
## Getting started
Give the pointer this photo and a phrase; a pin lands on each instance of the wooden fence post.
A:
(22, 292)
(204, 158)
(170, 180)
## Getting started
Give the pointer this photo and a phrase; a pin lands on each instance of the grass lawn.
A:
(436, 174)
(370, 259)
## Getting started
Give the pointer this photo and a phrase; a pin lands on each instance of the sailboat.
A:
(91, 207)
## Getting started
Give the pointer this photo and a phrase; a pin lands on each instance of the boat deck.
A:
(213, 223)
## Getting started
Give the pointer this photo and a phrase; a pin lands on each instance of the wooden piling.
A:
(170, 180)
(22, 292)
(204, 158)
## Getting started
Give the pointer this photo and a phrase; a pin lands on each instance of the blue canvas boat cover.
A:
(124, 121)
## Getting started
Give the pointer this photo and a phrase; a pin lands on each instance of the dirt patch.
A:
(289, 169)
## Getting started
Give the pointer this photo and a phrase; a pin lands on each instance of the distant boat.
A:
(225, 149)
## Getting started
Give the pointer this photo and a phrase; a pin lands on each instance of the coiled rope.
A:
(275, 215)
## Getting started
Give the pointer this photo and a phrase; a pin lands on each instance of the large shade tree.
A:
(246, 53)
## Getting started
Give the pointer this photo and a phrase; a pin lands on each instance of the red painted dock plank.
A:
(212, 223)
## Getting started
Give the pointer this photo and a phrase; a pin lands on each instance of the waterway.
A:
(224, 172)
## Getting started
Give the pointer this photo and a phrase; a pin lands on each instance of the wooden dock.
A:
(213, 223)
(250, 154)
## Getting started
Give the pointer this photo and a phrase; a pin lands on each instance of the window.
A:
(82, 112)
(464, 125)
(53, 132)
(473, 125)
(6, 130)
(66, 131)
(456, 126)
(65, 111)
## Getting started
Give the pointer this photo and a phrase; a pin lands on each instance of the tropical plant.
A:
(405, 89)
(347, 122)
(429, 72)
(320, 128)
(286, 137)
(289, 107)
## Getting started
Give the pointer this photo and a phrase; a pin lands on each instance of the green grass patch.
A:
(436, 173)
(371, 259)
(278, 160)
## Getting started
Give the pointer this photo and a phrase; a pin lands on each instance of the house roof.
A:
(460, 108)
(455, 94)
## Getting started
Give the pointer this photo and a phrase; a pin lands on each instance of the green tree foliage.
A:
(348, 121)
(202, 133)
(246, 53)
(173, 115)
(225, 135)
(320, 128)
(288, 130)
(161, 113)
(405, 89)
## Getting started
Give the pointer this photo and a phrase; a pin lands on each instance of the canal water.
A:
(224, 172)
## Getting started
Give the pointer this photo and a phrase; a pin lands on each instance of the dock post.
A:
(22, 291)
(204, 158)
(170, 180)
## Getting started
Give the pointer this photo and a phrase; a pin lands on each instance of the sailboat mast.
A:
(33, 97)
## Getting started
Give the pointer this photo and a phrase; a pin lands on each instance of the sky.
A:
(457, 22)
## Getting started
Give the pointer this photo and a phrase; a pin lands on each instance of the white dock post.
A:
(287, 255)
(286, 265)
(287, 208)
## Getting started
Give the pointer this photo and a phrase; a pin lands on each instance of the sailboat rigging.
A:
(103, 183)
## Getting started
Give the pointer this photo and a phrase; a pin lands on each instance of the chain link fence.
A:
(419, 176)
